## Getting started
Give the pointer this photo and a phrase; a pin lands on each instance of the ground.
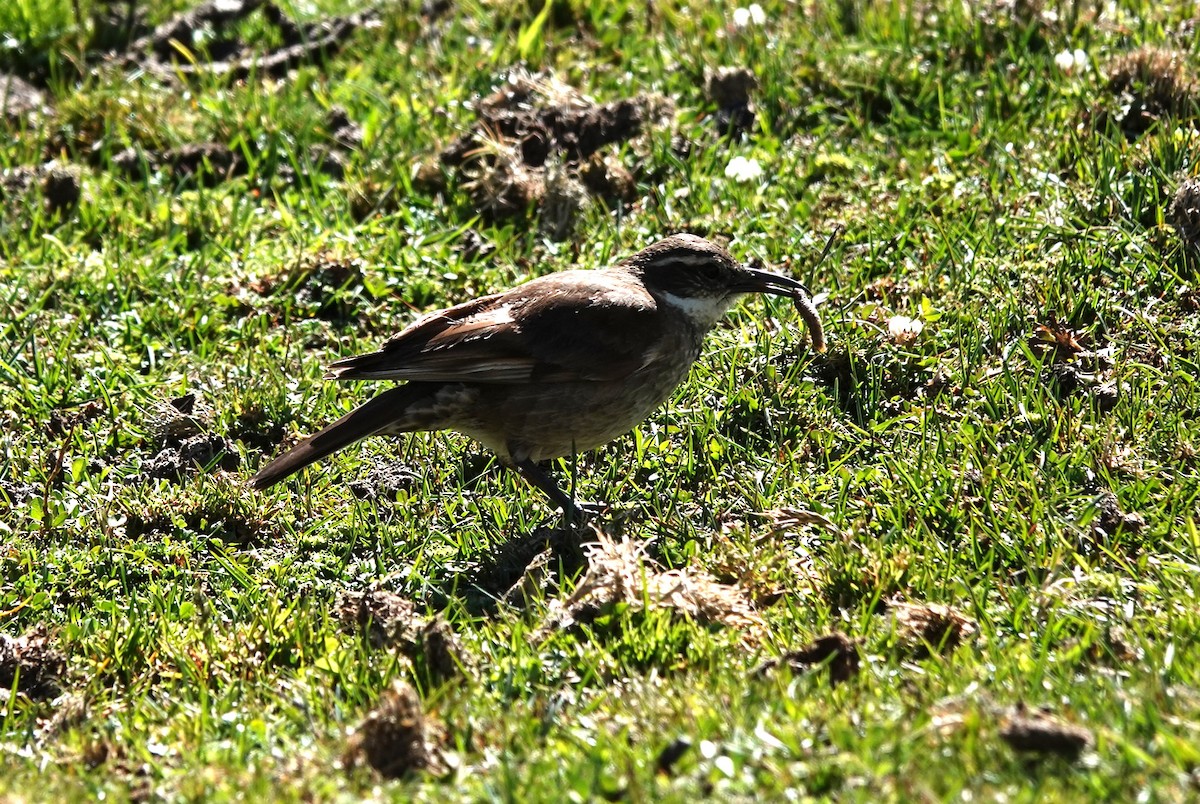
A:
(953, 557)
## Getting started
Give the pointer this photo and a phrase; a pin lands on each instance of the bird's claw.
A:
(581, 513)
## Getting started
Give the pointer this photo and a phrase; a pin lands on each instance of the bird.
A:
(559, 365)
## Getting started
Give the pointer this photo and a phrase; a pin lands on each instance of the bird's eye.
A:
(712, 270)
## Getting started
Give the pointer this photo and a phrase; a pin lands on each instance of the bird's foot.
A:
(605, 516)
(578, 515)
(593, 510)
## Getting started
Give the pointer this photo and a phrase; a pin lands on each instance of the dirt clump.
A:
(21, 100)
(836, 651)
(522, 567)
(59, 185)
(532, 147)
(222, 510)
(389, 620)
(204, 163)
(325, 285)
(1148, 86)
(1184, 213)
(386, 618)
(384, 481)
(1039, 732)
(1111, 519)
(395, 738)
(731, 90)
(925, 629)
(33, 663)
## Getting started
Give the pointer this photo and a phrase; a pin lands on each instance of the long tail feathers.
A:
(381, 412)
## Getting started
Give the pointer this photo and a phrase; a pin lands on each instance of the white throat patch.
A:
(705, 312)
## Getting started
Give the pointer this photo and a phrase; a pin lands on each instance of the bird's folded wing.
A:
(531, 333)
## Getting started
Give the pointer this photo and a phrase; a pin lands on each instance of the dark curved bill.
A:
(779, 285)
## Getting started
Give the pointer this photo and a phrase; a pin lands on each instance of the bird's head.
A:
(703, 280)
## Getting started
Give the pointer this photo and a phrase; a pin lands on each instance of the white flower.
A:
(742, 170)
(745, 17)
(1070, 61)
(904, 330)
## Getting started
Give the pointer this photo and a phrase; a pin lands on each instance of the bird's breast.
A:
(555, 419)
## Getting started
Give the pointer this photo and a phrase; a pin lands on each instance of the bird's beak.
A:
(779, 285)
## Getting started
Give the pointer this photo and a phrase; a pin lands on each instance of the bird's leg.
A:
(590, 509)
(575, 513)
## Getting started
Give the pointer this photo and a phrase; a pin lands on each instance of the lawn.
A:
(954, 557)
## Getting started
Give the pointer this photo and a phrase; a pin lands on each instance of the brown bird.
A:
(561, 364)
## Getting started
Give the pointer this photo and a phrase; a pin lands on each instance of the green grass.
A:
(983, 190)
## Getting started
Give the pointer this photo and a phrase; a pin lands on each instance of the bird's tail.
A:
(383, 412)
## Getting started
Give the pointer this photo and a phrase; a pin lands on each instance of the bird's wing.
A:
(593, 327)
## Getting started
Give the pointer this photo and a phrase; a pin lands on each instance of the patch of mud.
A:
(836, 651)
(532, 145)
(396, 739)
(33, 663)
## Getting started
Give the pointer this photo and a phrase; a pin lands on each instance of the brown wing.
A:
(575, 325)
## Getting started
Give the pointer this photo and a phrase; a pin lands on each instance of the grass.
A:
(1028, 458)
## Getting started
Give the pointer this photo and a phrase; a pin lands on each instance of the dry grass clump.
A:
(619, 573)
